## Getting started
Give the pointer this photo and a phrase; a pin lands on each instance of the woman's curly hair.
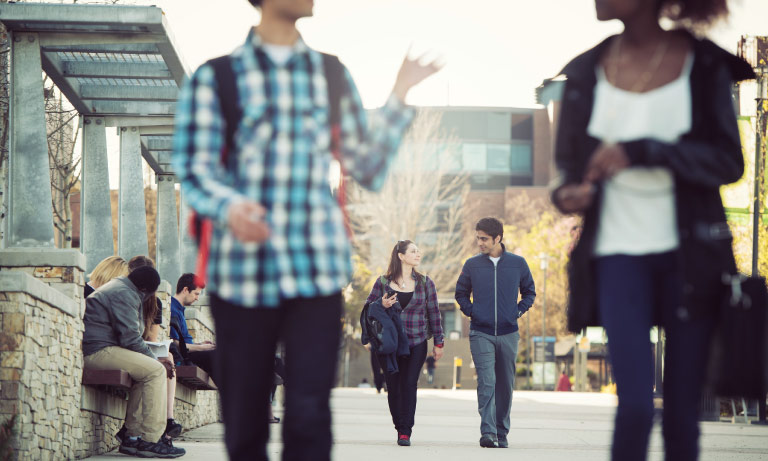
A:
(693, 13)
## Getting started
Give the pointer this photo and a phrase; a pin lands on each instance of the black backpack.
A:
(226, 81)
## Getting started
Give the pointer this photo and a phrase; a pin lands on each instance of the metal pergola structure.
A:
(119, 67)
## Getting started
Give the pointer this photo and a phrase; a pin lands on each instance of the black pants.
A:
(204, 360)
(378, 374)
(245, 358)
(401, 388)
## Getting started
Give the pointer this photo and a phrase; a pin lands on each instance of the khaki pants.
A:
(147, 399)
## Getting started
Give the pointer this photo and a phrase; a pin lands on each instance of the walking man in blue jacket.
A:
(493, 278)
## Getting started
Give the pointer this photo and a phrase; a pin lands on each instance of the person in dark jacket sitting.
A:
(647, 135)
(415, 298)
(112, 339)
(493, 278)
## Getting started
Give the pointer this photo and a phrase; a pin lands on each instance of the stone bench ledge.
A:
(39, 257)
(20, 282)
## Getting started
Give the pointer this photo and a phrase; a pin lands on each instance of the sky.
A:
(496, 51)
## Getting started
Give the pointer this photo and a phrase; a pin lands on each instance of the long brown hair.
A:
(149, 307)
(395, 269)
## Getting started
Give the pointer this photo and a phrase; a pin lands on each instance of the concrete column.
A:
(132, 220)
(188, 246)
(96, 239)
(168, 260)
(30, 212)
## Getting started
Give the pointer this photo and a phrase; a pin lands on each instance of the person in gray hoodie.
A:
(494, 278)
(113, 340)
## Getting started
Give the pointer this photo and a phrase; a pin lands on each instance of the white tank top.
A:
(637, 213)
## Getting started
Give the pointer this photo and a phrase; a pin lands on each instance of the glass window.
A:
(498, 157)
(520, 160)
(473, 157)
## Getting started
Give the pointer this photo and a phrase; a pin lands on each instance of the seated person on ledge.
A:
(201, 354)
(112, 339)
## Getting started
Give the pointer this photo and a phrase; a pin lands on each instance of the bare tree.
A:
(422, 200)
(62, 131)
(4, 106)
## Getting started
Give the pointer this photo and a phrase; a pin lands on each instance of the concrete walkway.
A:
(546, 426)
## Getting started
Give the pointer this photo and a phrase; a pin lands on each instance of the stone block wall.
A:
(205, 408)
(41, 363)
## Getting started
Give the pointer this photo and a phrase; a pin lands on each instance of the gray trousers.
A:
(494, 358)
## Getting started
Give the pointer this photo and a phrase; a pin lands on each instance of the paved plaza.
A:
(546, 426)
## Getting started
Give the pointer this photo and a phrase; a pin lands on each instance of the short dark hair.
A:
(187, 281)
(145, 278)
(491, 226)
(255, 3)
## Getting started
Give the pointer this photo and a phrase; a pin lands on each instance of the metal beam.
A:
(151, 70)
(160, 130)
(151, 160)
(129, 93)
(118, 48)
(46, 17)
(130, 107)
(51, 39)
(138, 120)
(70, 87)
(158, 144)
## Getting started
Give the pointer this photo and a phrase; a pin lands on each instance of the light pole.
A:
(544, 265)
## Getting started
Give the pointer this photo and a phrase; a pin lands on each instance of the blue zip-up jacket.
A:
(494, 308)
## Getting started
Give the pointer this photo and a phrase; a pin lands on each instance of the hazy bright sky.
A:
(497, 51)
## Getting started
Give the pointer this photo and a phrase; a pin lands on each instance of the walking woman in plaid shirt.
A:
(415, 298)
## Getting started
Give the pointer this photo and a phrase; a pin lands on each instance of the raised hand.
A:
(412, 72)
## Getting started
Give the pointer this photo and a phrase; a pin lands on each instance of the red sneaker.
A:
(404, 440)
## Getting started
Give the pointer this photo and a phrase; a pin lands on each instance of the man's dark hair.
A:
(491, 226)
(145, 278)
(255, 3)
(187, 281)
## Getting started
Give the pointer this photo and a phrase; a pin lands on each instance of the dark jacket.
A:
(494, 309)
(701, 161)
(114, 317)
(394, 342)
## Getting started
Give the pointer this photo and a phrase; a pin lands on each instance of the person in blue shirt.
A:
(493, 279)
(187, 293)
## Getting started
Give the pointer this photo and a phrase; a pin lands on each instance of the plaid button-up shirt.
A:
(420, 311)
(282, 161)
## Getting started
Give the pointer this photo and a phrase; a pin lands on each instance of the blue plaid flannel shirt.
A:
(281, 160)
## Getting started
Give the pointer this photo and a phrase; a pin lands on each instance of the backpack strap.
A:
(336, 82)
(226, 90)
(229, 100)
(335, 79)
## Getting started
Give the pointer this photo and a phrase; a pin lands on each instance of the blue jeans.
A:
(632, 291)
(494, 358)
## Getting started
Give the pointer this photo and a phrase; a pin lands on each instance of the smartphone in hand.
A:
(390, 292)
